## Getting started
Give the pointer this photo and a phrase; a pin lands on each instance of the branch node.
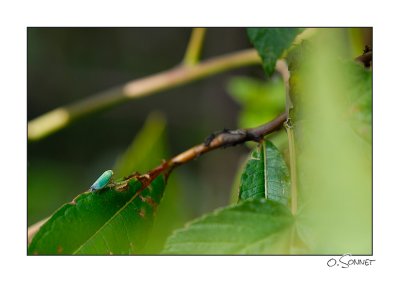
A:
(288, 124)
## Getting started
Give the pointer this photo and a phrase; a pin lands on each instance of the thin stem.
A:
(293, 165)
(61, 117)
(195, 45)
(282, 68)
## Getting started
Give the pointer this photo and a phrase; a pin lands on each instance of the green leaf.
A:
(265, 175)
(261, 101)
(106, 222)
(256, 226)
(271, 43)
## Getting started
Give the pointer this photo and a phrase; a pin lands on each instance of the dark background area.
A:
(69, 64)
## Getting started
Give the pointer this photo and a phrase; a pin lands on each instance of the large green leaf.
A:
(265, 175)
(145, 151)
(271, 43)
(261, 101)
(257, 226)
(105, 222)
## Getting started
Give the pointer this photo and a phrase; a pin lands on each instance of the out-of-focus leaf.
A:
(105, 222)
(146, 150)
(43, 176)
(260, 101)
(359, 86)
(236, 182)
(170, 216)
(257, 226)
(265, 175)
(271, 43)
(334, 163)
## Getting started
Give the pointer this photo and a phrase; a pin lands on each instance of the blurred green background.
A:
(68, 64)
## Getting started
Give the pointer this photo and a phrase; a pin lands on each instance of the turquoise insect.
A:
(102, 181)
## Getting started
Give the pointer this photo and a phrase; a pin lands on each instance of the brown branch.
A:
(220, 139)
(226, 138)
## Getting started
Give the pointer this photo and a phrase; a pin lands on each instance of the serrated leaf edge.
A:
(111, 218)
(189, 225)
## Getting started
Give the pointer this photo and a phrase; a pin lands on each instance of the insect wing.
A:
(102, 181)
